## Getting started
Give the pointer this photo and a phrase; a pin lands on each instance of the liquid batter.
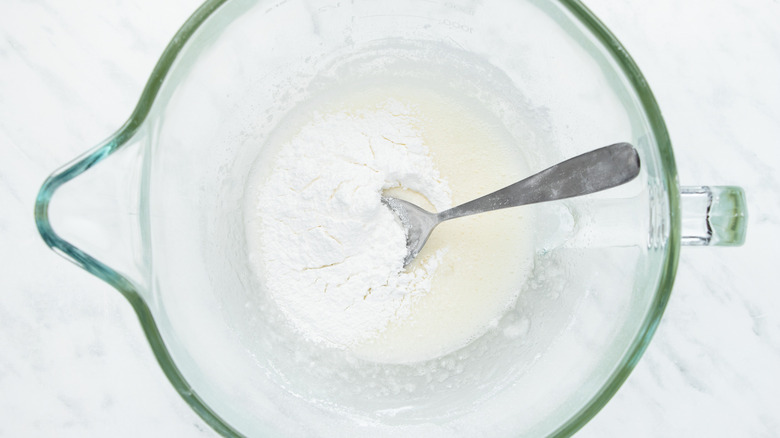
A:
(330, 254)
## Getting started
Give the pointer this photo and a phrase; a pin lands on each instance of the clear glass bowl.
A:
(157, 212)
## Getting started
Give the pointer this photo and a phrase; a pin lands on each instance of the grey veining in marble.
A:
(73, 359)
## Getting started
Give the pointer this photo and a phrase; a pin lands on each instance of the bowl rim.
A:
(672, 245)
(131, 291)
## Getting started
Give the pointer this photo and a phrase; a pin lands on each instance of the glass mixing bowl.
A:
(156, 211)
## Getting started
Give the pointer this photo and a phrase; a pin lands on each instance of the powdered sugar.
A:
(330, 252)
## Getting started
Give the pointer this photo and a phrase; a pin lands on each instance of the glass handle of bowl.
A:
(93, 203)
(713, 215)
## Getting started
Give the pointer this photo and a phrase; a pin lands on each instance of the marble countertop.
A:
(74, 361)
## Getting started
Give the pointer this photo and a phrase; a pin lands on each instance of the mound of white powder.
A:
(330, 252)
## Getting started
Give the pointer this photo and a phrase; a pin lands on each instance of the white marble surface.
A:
(74, 362)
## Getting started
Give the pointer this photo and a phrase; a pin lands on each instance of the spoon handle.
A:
(590, 172)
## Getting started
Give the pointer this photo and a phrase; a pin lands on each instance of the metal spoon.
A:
(590, 172)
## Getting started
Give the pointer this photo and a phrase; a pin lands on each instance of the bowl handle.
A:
(94, 201)
(713, 215)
